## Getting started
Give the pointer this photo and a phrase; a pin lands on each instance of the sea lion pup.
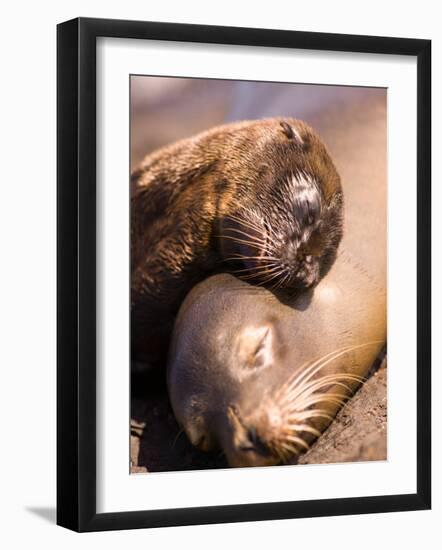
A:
(261, 199)
(261, 375)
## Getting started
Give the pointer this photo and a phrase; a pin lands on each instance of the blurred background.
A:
(164, 109)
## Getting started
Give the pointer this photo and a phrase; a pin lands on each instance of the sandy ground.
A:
(358, 433)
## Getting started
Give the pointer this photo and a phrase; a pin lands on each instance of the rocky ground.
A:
(358, 433)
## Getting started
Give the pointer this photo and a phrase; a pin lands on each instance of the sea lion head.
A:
(237, 382)
(284, 224)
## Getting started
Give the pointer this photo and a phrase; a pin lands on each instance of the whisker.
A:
(283, 454)
(255, 215)
(310, 371)
(302, 372)
(243, 257)
(320, 398)
(329, 380)
(257, 238)
(255, 267)
(246, 223)
(280, 455)
(290, 448)
(266, 280)
(260, 281)
(283, 280)
(241, 241)
(332, 379)
(312, 413)
(305, 428)
(263, 271)
(177, 436)
(298, 440)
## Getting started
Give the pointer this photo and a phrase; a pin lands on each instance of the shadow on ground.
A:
(46, 513)
(158, 444)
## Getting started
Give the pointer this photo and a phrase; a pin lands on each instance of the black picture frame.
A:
(76, 273)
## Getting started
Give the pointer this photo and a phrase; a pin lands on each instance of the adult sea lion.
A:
(258, 198)
(261, 375)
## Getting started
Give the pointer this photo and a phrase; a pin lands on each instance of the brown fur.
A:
(184, 192)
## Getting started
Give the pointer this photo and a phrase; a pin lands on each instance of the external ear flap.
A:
(256, 346)
(292, 133)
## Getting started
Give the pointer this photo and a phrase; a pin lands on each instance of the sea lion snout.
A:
(243, 443)
(267, 434)
(288, 239)
(303, 269)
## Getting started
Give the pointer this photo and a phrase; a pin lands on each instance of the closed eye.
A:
(255, 348)
(262, 355)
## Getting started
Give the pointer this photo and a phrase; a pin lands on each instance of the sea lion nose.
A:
(308, 273)
(253, 442)
(248, 443)
(246, 437)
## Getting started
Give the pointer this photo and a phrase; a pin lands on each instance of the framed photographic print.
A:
(243, 229)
